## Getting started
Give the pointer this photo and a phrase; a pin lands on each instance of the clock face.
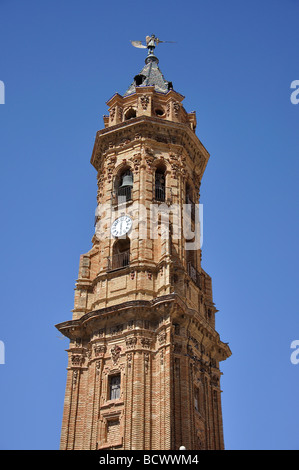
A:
(121, 226)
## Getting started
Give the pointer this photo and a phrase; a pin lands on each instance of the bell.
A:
(127, 181)
(159, 182)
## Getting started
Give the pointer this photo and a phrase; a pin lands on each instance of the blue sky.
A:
(234, 62)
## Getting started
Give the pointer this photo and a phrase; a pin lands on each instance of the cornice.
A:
(82, 327)
(147, 128)
(75, 328)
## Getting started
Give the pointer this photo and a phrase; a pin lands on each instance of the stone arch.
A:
(121, 253)
(123, 181)
(159, 180)
(130, 113)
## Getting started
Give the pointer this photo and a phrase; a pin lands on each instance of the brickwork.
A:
(152, 319)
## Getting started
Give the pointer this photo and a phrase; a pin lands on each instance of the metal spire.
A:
(150, 75)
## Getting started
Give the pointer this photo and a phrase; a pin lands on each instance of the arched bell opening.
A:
(123, 184)
(160, 183)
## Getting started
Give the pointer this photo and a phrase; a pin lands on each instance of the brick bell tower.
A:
(143, 369)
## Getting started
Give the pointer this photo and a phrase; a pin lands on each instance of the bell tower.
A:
(143, 369)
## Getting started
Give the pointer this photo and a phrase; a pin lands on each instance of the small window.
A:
(121, 254)
(114, 387)
(139, 79)
(159, 112)
(130, 114)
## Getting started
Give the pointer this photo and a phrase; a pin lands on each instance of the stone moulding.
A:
(83, 327)
(176, 133)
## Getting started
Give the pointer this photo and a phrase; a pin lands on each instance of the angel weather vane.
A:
(150, 43)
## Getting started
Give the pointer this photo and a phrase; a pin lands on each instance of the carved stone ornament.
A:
(99, 350)
(162, 357)
(168, 109)
(89, 353)
(115, 353)
(101, 180)
(112, 113)
(149, 157)
(176, 108)
(131, 342)
(136, 161)
(110, 169)
(162, 338)
(129, 360)
(75, 377)
(145, 342)
(144, 99)
(77, 359)
(146, 361)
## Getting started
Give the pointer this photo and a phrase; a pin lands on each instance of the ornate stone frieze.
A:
(145, 342)
(77, 360)
(131, 342)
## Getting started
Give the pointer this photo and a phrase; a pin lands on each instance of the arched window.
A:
(159, 112)
(130, 114)
(160, 184)
(120, 254)
(114, 387)
(124, 185)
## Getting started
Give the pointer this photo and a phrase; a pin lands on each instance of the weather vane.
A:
(150, 43)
